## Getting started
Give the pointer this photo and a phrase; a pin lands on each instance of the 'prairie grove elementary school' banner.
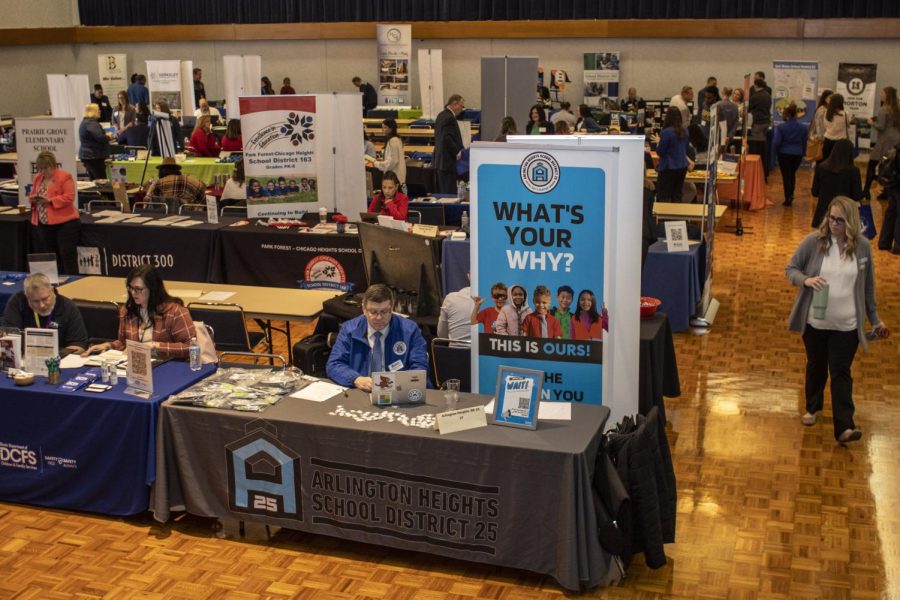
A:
(279, 155)
(539, 229)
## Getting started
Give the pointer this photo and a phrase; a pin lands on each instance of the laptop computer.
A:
(369, 217)
(395, 388)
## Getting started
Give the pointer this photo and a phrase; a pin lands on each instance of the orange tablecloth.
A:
(754, 185)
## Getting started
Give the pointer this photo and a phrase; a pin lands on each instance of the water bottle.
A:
(194, 353)
(461, 190)
(323, 215)
(464, 222)
(403, 189)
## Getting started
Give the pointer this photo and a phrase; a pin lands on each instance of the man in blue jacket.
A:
(376, 341)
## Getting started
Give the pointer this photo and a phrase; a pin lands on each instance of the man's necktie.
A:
(377, 353)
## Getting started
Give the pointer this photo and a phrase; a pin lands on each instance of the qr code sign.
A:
(139, 363)
(677, 234)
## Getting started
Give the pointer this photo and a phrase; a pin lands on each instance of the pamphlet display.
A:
(518, 397)
(10, 352)
(40, 345)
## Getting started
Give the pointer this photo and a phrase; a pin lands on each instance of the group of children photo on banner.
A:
(512, 315)
(279, 187)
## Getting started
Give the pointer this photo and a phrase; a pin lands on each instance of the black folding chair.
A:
(452, 359)
(101, 319)
(228, 320)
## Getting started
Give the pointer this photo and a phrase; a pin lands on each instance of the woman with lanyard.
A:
(833, 271)
(152, 316)
(56, 226)
(509, 321)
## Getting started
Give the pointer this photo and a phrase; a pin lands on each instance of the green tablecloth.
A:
(202, 168)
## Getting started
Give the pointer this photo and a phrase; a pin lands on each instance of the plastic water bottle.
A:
(403, 189)
(464, 222)
(461, 190)
(194, 353)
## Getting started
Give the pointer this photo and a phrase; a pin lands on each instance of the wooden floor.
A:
(767, 508)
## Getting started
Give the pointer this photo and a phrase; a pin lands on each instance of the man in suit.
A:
(376, 341)
(448, 144)
(369, 95)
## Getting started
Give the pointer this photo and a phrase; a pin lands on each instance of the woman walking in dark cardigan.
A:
(835, 176)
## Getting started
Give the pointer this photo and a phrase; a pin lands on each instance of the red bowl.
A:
(649, 306)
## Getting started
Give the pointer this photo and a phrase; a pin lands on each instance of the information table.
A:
(675, 278)
(257, 255)
(204, 169)
(494, 495)
(80, 450)
(179, 253)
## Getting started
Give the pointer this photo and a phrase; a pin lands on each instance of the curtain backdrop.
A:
(169, 12)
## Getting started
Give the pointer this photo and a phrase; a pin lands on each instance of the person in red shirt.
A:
(540, 323)
(203, 140)
(232, 140)
(390, 201)
(286, 88)
(487, 316)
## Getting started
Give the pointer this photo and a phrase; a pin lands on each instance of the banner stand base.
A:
(707, 319)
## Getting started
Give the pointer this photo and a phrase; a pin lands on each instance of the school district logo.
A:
(263, 476)
(856, 86)
(394, 35)
(540, 172)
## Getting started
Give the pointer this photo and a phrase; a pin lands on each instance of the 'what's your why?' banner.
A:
(540, 228)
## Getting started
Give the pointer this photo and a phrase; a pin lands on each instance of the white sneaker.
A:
(809, 419)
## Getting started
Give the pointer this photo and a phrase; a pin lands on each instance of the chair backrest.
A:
(414, 216)
(191, 208)
(432, 215)
(234, 211)
(452, 359)
(103, 204)
(150, 207)
(228, 321)
(100, 319)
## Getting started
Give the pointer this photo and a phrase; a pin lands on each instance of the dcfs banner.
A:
(113, 73)
(538, 254)
(164, 81)
(39, 134)
(394, 52)
(601, 76)
(797, 82)
(280, 155)
(856, 83)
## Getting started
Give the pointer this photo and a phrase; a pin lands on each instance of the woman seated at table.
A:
(234, 193)
(587, 323)
(232, 141)
(391, 201)
(152, 316)
(203, 140)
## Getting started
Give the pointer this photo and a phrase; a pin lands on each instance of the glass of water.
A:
(451, 393)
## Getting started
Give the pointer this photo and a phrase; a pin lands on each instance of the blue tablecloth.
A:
(84, 451)
(454, 265)
(675, 278)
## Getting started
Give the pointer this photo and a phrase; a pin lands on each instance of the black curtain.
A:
(180, 12)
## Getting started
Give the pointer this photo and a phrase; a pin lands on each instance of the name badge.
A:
(397, 365)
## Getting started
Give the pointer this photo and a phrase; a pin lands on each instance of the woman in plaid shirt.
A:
(152, 316)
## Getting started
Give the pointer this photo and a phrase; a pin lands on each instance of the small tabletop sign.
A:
(212, 215)
(462, 419)
(140, 369)
(426, 230)
(676, 236)
(518, 397)
(40, 344)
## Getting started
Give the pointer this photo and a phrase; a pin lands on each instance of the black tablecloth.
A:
(14, 241)
(658, 366)
(180, 253)
(494, 495)
(257, 255)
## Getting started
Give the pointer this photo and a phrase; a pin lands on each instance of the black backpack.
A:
(888, 171)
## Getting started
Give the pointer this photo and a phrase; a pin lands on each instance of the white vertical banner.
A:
(431, 81)
(187, 88)
(242, 75)
(38, 134)
(113, 70)
(601, 76)
(302, 153)
(164, 82)
(394, 54)
(68, 95)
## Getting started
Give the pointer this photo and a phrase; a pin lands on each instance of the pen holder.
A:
(820, 302)
(53, 377)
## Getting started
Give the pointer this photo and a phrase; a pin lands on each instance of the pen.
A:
(345, 394)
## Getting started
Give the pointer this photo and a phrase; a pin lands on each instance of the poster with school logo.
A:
(538, 254)
(280, 155)
(164, 83)
(601, 77)
(394, 55)
(856, 83)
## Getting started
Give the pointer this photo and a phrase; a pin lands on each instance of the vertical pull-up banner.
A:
(601, 77)
(797, 82)
(68, 95)
(164, 81)
(186, 85)
(431, 82)
(242, 75)
(394, 53)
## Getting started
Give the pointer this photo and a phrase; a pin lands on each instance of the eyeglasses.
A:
(499, 296)
(378, 313)
(136, 290)
(838, 220)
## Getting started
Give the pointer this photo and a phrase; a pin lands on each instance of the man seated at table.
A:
(455, 320)
(203, 108)
(376, 341)
(173, 184)
(38, 305)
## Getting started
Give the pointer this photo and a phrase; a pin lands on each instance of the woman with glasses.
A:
(834, 272)
(835, 176)
(152, 316)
